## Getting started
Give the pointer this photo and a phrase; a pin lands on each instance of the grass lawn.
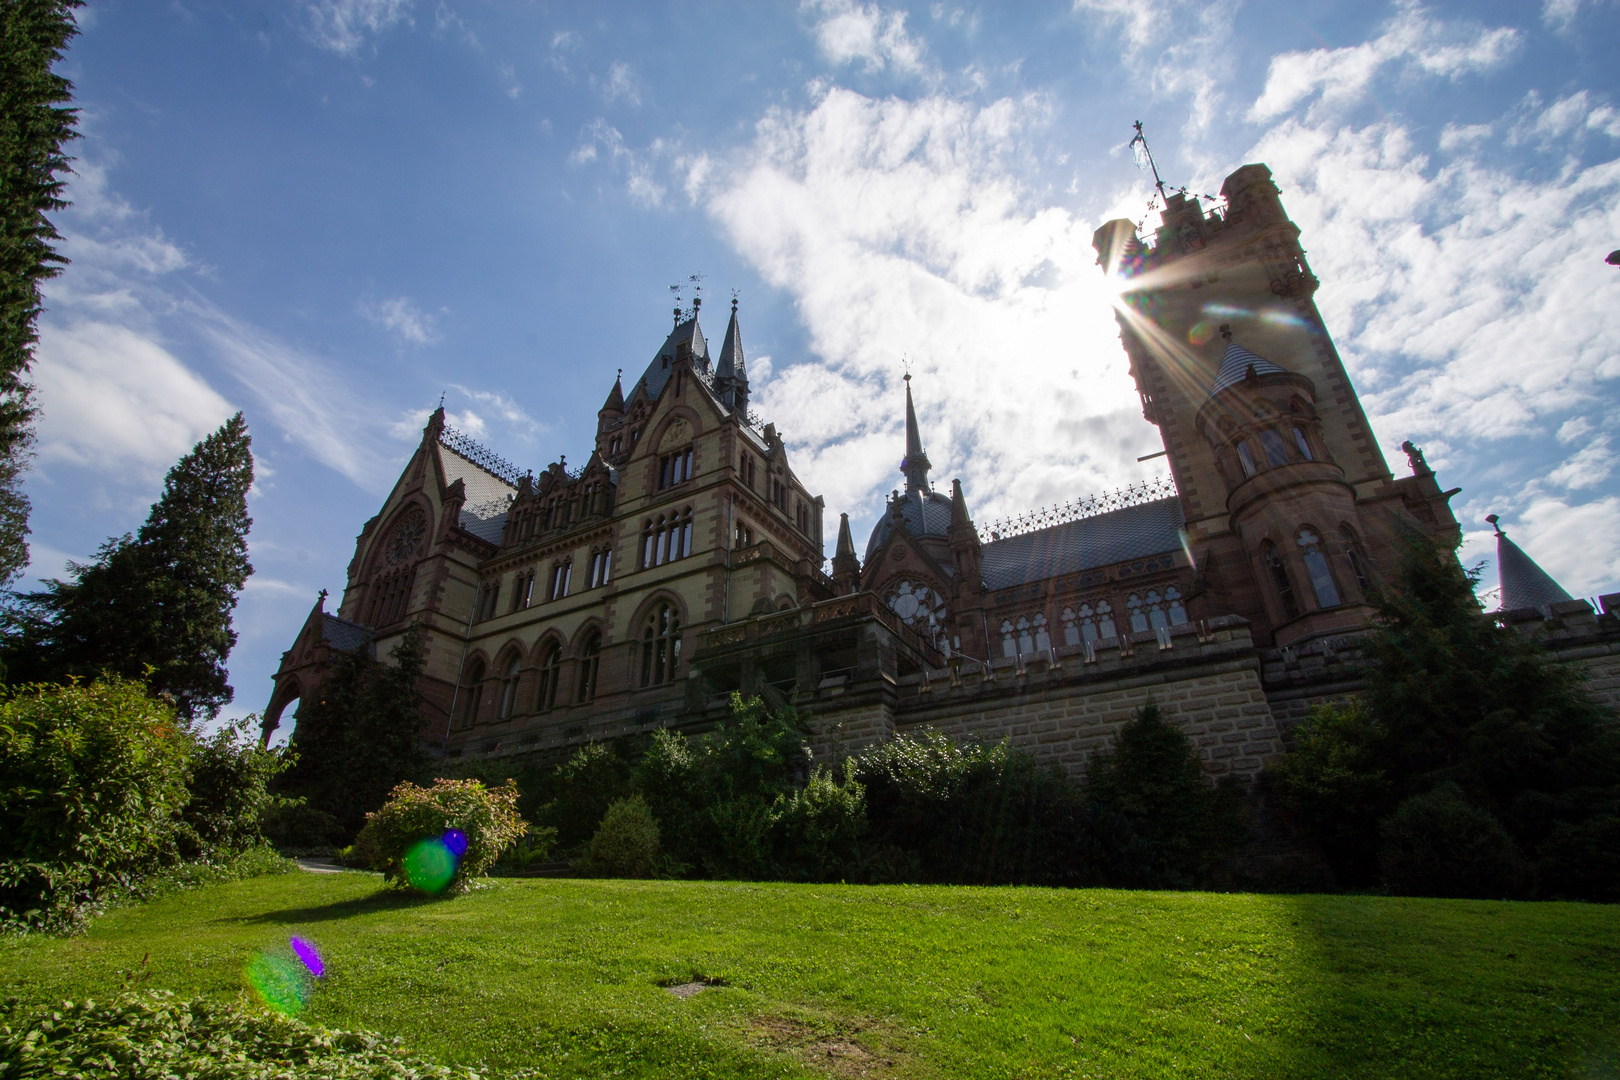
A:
(897, 981)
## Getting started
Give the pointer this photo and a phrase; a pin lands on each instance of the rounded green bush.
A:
(486, 819)
(626, 842)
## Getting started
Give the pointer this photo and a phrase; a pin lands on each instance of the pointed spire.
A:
(435, 424)
(1524, 584)
(959, 510)
(915, 465)
(615, 398)
(731, 374)
(846, 568)
(1237, 363)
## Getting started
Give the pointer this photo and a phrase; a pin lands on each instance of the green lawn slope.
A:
(568, 977)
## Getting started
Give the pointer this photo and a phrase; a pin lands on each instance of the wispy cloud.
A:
(344, 26)
(1180, 47)
(848, 32)
(402, 317)
(620, 84)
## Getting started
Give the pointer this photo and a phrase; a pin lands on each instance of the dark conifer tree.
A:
(358, 735)
(35, 123)
(156, 605)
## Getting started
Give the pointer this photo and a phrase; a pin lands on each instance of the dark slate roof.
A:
(1235, 366)
(1153, 528)
(488, 496)
(1524, 584)
(927, 516)
(343, 634)
(732, 363)
(657, 374)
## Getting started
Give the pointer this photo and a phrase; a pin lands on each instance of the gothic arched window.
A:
(1071, 626)
(661, 646)
(509, 688)
(472, 694)
(589, 661)
(1279, 578)
(1354, 556)
(1276, 452)
(666, 538)
(1139, 615)
(1303, 444)
(1246, 458)
(1178, 610)
(1157, 619)
(1316, 566)
(1026, 635)
(550, 671)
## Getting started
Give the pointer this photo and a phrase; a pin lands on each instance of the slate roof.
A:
(657, 374)
(1235, 366)
(1524, 584)
(928, 516)
(488, 496)
(1152, 528)
(343, 634)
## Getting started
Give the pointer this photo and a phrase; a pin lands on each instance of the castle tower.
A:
(1524, 583)
(1291, 511)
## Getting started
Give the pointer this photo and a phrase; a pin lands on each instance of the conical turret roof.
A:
(1235, 365)
(1524, 584)
(615, 398)
(916, 464)
(732, 365)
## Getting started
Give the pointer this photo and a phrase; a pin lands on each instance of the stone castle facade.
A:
(684, 560)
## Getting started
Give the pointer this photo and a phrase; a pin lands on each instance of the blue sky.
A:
(327, 213)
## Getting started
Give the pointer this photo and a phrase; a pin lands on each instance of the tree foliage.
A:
(1458, 704)
(157, 605)
(358, 734)
(35, 124)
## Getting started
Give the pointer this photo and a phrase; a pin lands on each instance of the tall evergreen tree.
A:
(358, 735)
(35, 123)
(156, 605)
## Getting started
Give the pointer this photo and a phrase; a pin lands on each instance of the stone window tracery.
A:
(1138, 613)
(589, 663)
(1279, 578)
(1088, 623)
(1358, 561)
(550, 672)
(666, 538)
(406, 540)
(1024, 635)
(1177, 609)
(1276, 452)
(509, 688)
(922, 609)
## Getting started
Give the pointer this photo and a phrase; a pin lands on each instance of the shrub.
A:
(1158, 822)
(579, 793)
(93, 778)
(294, 824)
(626, 843)
(1333, 783)
(968, 813)
(1439, 844)
(487, 818)
(817, 830)
(228, 777)
(1581, 860)
(156, 1036)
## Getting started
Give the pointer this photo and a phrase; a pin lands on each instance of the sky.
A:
(327, 213)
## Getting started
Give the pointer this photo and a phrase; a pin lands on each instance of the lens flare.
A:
(1201, 333)
(310, 956)
(1284, 318)
(456, 841)
(280, 982)
(429, 865)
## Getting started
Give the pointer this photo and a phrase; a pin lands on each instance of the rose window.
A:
(407, 538)
(922, 609)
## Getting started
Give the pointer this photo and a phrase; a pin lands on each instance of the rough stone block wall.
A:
(1064, 720)
(1603, 678)
(841, 732)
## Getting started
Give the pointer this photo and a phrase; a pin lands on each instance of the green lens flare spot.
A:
(429, 865)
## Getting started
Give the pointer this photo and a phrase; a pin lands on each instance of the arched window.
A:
(472, 694)
(922, 609)
(1303, 444)
(1157, 618)
(550, 670)
(509, 688)
(1026, 635)
(562, 576)
(1178, 610)
(1071, 626)
(1246, 458)
(661, 646)
(589, 660)
(1354, 556)
(1279, 578)
(1316, 566)
(1276, 453)
(666, 538)
(1139, 618)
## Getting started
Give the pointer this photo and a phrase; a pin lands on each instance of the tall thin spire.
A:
(731, 374)
(1524, 584)
(915, 464)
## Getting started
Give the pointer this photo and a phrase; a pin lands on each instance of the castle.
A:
(684, 560)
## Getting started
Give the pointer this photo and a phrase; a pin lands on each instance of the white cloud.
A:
(640, 168)
(899, 230)
(1411, 40)
(620, 85)
(1579, 545)
(563, 42)
(402, 317)
(343, 26)
(1181, 46)
(116, 400)
(847, 32)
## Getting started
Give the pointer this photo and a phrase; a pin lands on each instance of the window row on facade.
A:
(559, 583)
(1093, 620)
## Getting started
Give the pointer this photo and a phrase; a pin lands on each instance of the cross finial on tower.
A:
(441, 399)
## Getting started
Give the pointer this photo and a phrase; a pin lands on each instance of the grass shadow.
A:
(384, 899)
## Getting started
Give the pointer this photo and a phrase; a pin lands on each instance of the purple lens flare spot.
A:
(456, 841)
(310, 956)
